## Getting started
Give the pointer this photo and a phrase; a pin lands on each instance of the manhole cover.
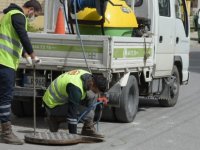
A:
(59, 138)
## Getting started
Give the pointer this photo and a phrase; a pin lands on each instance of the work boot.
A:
(89, 130)
(7, 136)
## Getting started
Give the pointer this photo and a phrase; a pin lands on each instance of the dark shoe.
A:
(7, 136)
(89, 130)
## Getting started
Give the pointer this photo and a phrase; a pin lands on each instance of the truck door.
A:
(166, 33)
(182, 37)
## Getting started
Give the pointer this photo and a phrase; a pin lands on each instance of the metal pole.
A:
(34, 101)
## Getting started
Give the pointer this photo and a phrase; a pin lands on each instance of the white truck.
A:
(153, 64)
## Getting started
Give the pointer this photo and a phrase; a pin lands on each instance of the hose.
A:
(77, 30)
(78, 33)
(89, 109)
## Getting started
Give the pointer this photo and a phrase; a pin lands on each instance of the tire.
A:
(174, 90)
(17, 108)
(128, 102)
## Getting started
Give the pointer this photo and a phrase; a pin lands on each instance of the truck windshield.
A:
(164, 8)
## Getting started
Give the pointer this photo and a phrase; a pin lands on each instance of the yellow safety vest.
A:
(56, 93)
(10, 45)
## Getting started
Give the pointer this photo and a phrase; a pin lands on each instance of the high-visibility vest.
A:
(10, 45)
(56, 93)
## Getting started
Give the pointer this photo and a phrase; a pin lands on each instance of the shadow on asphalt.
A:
(27, 122)
(147, 103)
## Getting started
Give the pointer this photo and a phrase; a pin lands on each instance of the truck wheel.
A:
(17, 108)
(174, 90)
(128, 102)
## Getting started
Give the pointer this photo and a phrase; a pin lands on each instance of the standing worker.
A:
(13, 38)
(65, 95)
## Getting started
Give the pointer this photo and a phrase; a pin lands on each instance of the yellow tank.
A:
(119, 20)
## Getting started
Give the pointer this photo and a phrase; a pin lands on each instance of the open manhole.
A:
(59, 138)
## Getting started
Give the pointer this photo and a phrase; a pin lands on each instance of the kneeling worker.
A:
(66, 94)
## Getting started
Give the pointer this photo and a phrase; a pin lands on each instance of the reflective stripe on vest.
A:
(9, 50)
(57, 91)
(14, 42)
(61, 98)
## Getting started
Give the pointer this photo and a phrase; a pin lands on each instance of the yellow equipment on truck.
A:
(118, 20)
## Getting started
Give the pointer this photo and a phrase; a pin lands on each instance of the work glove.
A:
(34, 61)
(103, 99)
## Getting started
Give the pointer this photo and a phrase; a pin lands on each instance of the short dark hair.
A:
(33, 3)
(101, 82)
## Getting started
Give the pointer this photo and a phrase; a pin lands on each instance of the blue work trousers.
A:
(7, 81)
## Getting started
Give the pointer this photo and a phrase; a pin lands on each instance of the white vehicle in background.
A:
(152, 62)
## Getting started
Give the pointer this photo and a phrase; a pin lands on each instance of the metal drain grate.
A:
(59, 138)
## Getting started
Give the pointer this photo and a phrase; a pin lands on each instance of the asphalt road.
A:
(154, 128)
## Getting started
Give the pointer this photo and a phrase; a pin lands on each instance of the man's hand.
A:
(33, 61)
(103, 99)
(29, 60)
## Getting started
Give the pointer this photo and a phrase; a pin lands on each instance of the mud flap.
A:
(59, 138)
